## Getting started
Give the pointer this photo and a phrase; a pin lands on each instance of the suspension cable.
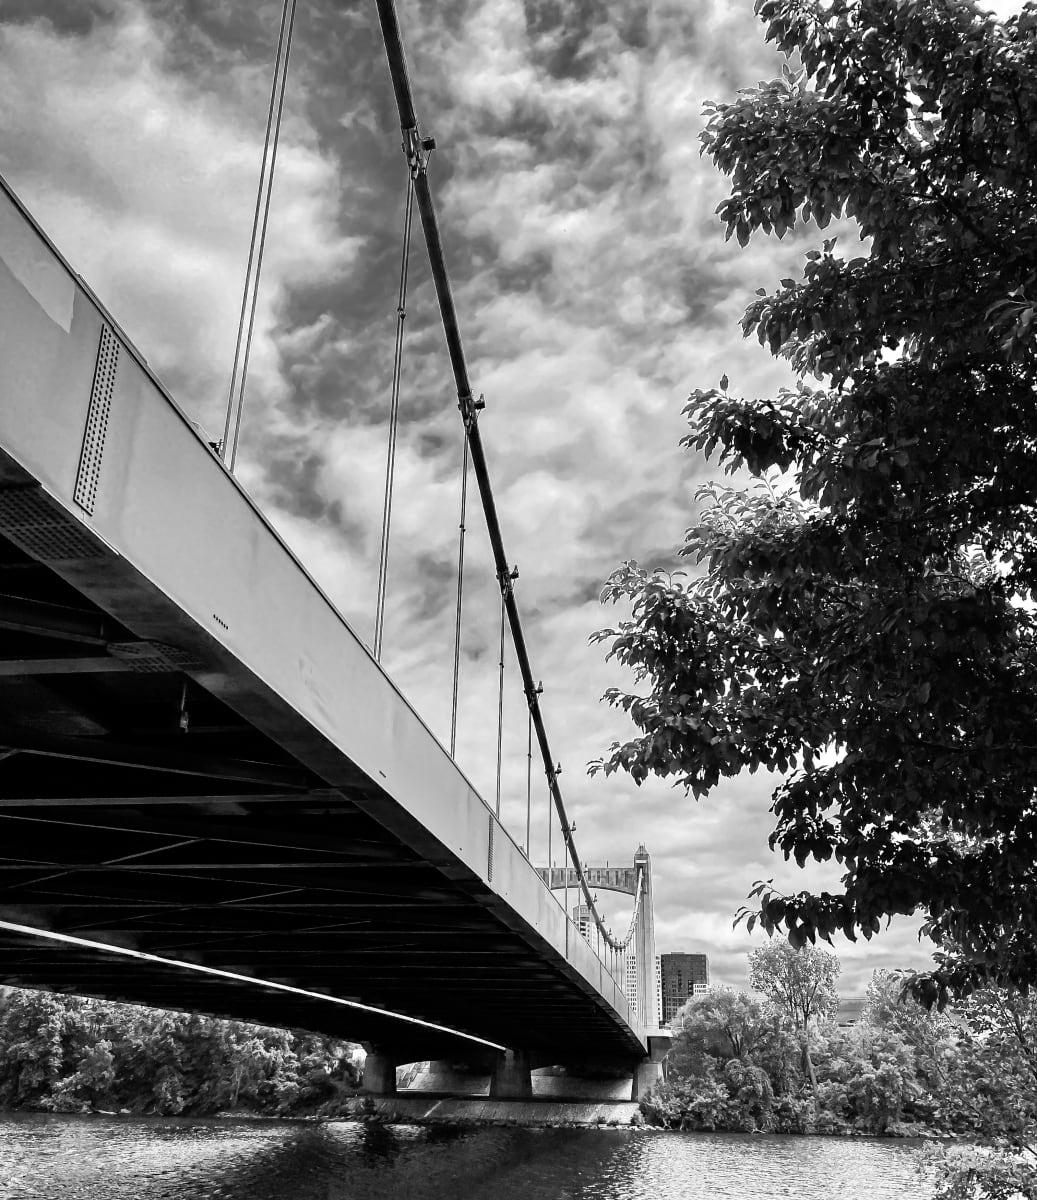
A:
(394, 419)
(460, 592)
(413, 143)
(257, 245)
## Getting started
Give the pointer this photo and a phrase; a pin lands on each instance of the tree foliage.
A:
(69, 1054)
(723, 1023)
(902, 1069)
(864, 625)
(802, 982)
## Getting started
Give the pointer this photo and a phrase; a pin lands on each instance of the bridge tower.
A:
(630, 881)
(644, 944)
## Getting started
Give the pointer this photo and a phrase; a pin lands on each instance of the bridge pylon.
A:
(635, 880)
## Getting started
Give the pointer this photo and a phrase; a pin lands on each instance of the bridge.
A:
(212, 796)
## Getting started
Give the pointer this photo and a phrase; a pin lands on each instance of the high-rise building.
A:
(582, 919)
(629, 976)
(681, 976)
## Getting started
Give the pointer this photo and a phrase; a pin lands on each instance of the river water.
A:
(96, 1158)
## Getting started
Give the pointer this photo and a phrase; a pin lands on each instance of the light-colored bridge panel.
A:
(606, 879)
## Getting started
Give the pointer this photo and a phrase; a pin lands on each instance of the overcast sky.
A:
(594, 290)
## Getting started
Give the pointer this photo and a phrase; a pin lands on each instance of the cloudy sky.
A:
(594, 290)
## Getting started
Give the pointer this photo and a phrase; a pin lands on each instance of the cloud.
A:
(147, 172)
(594, 290)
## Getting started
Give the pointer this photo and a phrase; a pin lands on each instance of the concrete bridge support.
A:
(379, 1074)
(508, 1072)
(511, 1078)
(648, 1073)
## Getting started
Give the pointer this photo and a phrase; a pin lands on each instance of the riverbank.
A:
(475, 1112)
(483, 1111)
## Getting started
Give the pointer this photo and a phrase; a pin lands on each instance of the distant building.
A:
(630, 976)
(582, 919)
(680, 976)
(628, 981)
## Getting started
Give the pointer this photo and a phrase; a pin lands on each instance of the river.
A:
(46, 1157)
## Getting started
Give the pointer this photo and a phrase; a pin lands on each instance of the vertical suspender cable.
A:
(500, 694)
(394, 421)
(529, 779)
(565, 878)
(460, 589)
(250, 295)
(550, 830)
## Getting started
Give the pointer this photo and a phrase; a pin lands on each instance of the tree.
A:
(862, 625)
(802, 982)
(721, 1022)
(992, 1090)
(69, 1054)
(991, 1093)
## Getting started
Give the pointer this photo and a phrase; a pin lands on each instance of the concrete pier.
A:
(379, 1074)
(511, 1078)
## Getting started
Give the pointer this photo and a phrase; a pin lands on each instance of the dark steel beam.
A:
(238, 868)
(52, 620)
(71, 665)
(153, 758)
(150, 801)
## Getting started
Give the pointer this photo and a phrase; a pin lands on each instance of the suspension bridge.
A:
(212, 796)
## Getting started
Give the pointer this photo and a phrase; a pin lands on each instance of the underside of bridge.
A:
(200, 761)
(139, 809)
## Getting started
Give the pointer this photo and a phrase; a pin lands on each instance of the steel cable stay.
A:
(460, 594)
(257, 245)
(394, 414)
(414, 144)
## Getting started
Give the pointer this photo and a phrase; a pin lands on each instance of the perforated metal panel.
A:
(96, 431)
(153, 657)
(42, 528)
(489, 853)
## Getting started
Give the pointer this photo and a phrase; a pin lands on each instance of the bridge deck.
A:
(200, 760)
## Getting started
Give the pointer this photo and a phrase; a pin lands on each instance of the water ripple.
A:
(95, 1158)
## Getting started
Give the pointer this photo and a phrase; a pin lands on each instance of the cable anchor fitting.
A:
(470, 409)
(506, 579)
(418, 150)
